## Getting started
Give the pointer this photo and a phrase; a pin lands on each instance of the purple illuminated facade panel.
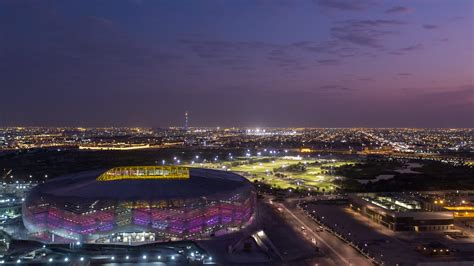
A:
(169, 219)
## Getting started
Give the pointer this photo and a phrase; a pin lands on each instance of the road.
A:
(336, 250)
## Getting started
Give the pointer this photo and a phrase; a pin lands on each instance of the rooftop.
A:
(88, 186)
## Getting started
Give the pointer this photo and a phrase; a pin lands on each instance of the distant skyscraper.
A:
(186, 121)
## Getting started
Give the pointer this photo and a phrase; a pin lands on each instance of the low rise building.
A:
(401, 212)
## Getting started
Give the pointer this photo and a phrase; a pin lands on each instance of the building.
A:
(186, 121)
(401, 212)
(461, 203)
(139, 204)
(10, 209)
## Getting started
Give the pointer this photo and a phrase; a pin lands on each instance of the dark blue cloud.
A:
(345, 5)
(367, 33)
(397, 9)
(334, 88)
(328, 61)
(430, 27)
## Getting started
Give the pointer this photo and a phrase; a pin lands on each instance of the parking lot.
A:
(383, 244)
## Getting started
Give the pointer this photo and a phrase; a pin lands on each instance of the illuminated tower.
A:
(186, 121)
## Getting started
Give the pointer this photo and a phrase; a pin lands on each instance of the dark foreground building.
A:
(401, 212)
(139, 204)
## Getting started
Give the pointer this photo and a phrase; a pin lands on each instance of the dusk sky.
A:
(327, 63)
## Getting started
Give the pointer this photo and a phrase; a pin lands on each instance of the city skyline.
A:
(244, 64)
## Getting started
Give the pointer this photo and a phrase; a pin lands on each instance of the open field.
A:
(284, 173)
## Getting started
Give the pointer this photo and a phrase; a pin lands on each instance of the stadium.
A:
(139, 204)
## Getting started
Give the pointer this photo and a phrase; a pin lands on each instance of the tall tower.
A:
(186, 121)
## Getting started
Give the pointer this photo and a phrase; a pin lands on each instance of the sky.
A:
(265, 63)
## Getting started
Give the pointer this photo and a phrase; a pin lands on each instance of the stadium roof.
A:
(202, 183)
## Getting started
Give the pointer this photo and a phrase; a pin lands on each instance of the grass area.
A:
(368, 170)
(284, 173)
(430, 175)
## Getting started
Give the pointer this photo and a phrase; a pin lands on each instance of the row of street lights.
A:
(340, 236)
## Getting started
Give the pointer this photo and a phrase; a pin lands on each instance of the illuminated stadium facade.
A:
(139, 204)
